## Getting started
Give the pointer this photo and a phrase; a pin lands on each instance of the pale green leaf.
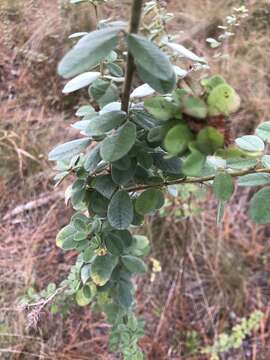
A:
(69, 149)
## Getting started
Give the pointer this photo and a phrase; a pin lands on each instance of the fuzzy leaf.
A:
(120, 211)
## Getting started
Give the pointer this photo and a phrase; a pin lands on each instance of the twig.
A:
(136, 13)
(198, 180)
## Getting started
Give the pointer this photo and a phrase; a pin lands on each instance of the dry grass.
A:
(210, 276)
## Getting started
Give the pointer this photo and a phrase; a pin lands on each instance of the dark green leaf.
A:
(115, 70)
(134, 264)
(120, 211)
(209, 140)
(98, 204)
(223, 186)
(65, 238)
(102, 268)
(153, 65)
(260, 206)
(104, 185)
(103, 92)
(89, 50)
(92, 159)
(119, 144)
(101, 124)
(149, 201)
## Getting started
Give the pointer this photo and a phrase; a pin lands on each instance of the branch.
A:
(130, 68)
(198, 180)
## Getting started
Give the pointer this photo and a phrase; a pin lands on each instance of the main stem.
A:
(136, 13)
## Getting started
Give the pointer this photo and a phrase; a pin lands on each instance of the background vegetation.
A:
(211, 277)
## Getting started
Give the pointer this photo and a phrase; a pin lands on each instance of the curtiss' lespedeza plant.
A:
(134, 143)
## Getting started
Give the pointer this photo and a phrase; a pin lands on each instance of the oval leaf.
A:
(260, 207)
(223, 186)
(118, 145)
(80, 81)
(69, 149)
(250, 143)
(263, 131)
(101, 124)
(120, 211)
(149, 201)
(254, 179)
(134, 264)
(88, 52)
(102, 268)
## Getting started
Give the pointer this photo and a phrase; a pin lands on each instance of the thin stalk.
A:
(135, 19)
(197, 180)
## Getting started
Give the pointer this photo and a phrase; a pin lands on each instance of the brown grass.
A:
(210, 276)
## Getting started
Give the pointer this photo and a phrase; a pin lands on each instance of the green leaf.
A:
(194, 163)
(241, 163)
(88, 254)
(120, 211)
(159, 85)
(193, 106)
(85, 273)
(184, 52)
(149, 201)
(65, 238)
(101, 124)
(82, 299)
(172, 165)
(92, 159)
(177, 139)
(134, 264)
(69, 149)
(263, 131)
(140, 246)
(250, 143)
(223, 100)
(209, 140)
(223, 186)
(104, 185)
(119, 144)
(254, 179)
(81, 81)
(160, 108)
(117, 241)
(85, 110)
(103, 92)
(97, 204)
(152, 61)
(115, 70)
(88, 52)
(260, 207)
(102, 268)
(125, 297)
(123, 176)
